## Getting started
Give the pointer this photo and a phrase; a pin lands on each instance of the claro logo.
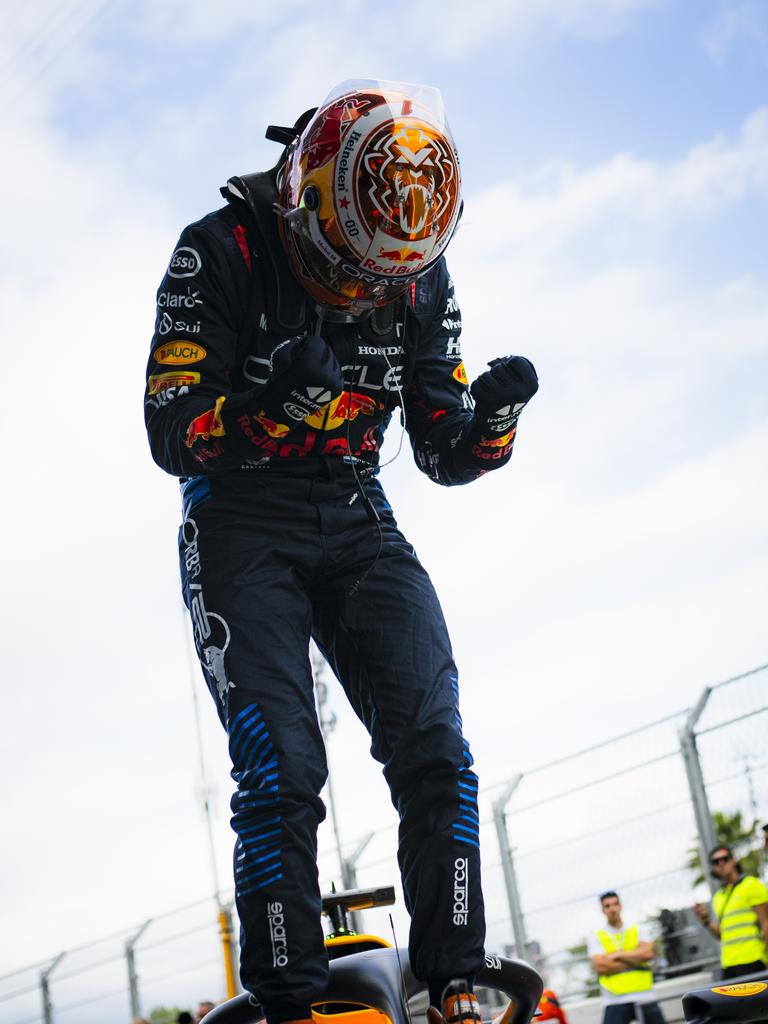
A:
(460, 891)
(277, 934)
(179, 353)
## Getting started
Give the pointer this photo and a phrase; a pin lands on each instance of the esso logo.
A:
(295, 411)
(185, 262)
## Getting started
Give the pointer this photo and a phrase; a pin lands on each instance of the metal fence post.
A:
(704, 826)
(508, 865)
(45, 988)
(133, 977)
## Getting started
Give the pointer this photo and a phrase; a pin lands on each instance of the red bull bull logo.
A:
(207, 425)
(270, 426)
(347, 406)
(498, 442)
(406, 255)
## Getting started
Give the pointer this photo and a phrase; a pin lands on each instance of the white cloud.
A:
(546, 208)
(735, 22)
(460, 30)
(445, 27)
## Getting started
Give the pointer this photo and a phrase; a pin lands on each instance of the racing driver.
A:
(291, 324)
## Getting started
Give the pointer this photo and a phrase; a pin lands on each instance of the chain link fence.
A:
(623, 815)
(617, 815)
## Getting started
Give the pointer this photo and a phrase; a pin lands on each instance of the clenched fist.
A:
(502, 392)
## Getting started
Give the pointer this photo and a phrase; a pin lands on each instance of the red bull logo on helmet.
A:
(405, 255)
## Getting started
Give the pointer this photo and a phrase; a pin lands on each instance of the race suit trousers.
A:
(266, 564)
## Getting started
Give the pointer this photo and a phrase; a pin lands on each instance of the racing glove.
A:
(502, 392)
(304, 376)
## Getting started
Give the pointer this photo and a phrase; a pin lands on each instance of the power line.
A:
(42, 70)
(39, 36)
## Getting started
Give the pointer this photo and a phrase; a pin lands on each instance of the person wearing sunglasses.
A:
(739, 916)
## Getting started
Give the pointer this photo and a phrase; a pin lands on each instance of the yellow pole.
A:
(227, 946)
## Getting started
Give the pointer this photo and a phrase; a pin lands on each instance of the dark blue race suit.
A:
(287, 535)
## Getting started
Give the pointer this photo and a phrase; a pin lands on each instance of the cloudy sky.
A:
(615, 157)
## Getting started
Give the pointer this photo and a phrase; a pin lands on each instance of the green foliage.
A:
(578, 961)
(730, 830)
(165, 1014)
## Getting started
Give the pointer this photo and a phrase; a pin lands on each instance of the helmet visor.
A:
(373, 188)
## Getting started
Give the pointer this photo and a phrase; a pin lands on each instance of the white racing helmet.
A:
(370, 193)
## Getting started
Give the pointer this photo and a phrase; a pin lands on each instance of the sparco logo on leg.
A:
(277, 934)
(460, 891)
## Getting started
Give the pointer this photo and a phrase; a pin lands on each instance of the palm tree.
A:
(731, 831)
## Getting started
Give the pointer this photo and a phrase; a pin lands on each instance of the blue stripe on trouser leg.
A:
(466, 828)
(255, 805)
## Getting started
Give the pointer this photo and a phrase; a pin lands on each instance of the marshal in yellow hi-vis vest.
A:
(634, 979)
(741, 941)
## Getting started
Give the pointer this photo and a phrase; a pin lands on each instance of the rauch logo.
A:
(179, 353)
